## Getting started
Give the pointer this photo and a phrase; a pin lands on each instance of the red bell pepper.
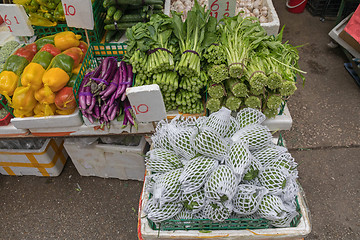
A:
(76, 54)
(23, 52)
(50, 48)
(84, 47)
(31, 47)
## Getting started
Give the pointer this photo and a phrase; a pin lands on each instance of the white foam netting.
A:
(234, 127)
(219, 122)
(268, 153)
(272, 207)
(286, 161)
(180, 140)
(167, 211)
(257, 136)
(248, 116)
(184, 214)
(196, 173)
(291, 189)
(252, 172)
(285, 220)
(162, 160)
(217, 211)
(210, 144)
(234, 215)
(221, 185)
(194, 202)
(167, 187)
(274, 179)
(150, 181)
(239, 158)
(247, 199)
(160, 138)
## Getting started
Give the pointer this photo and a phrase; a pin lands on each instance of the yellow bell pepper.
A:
(23, 99)
(45, 96)
(55, 78)
(23, 113)
(43, 110)
(32, 76)
(65, 112)
(8, 83)
(67, 39)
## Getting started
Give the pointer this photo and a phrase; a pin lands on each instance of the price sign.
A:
(78, 13)
(16, 19)
(147, 103)
(222, 8)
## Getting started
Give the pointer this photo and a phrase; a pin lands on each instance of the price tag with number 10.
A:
(222, 8)
(16, 19)
(78, 13)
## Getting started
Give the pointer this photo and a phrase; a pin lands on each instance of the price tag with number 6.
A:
(16, 19)
(222, 8)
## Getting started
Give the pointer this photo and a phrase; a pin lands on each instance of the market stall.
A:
(203, 92)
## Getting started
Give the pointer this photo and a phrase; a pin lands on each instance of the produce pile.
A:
(123, 14)
(6, 50)
(37, 79)
(47, 13)
(102, 93)
(234, 60)
(246, 8)
(220, 167)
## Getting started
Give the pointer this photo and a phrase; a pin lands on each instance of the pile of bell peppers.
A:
(37, 79)
(45, 13)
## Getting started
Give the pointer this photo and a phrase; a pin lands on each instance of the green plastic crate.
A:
(95, 53)
(95, 35)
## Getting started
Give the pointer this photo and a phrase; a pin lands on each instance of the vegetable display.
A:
(6, 51)
(234, 60)
(234, 171)
(121, 15)
(102, 93)
(34, 77)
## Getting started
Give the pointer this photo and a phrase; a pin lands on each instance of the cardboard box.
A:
(350, 40)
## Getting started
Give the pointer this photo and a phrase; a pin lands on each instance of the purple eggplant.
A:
(96, 111)
(112, 87)
(129, 80)
(114, 112)
(122, 78)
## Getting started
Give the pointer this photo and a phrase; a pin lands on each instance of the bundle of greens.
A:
(194, 35)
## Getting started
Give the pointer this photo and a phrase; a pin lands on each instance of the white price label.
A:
(78, 13)
(222, 8)
(147, 103)
(16, 19)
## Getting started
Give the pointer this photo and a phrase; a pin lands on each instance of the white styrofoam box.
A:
(11, 131)
(280, 122)
(47, 161)
(292, 233)
(335, 32)
(271, 27)
(147, 102)
(108, 160)
(53, 131)
(71, 120)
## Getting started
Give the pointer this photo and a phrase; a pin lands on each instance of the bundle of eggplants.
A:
(102, 93)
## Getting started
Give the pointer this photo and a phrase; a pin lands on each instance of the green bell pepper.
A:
(72, 80)
(45, 40)
(15, 64)
(59, 13)
(43, 58)
(64, 62)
